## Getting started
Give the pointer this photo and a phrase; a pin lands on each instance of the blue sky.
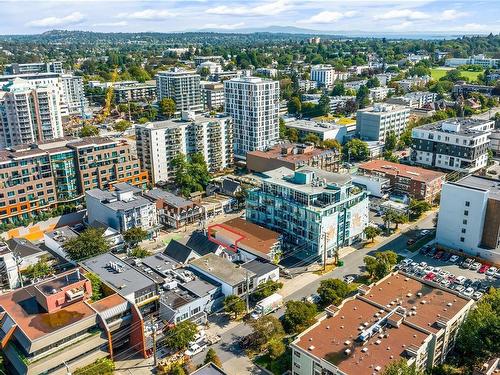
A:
(402, 16)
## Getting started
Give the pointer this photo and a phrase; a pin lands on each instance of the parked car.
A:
(460, 288)
(497, 274)
(429, 269)
(411, 241)
(430, 276)
(460, 280)
(425, 232)
(439, 254)
(348, 279)
(477, 295)
(195, 349)
(475, 266)
(445, 282)
(467, 262)
(446, 257)
(406, 261)
(423, 264)
(454, 258)
(468, 282)
(491, 271)
(431, 252)
(483, 268)
(424, 250)
(468, 292)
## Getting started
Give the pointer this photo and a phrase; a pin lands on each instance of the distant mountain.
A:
(268, 29)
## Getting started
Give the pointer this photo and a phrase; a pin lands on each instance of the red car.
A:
(430, 276)
(438, 255)
(483, 268)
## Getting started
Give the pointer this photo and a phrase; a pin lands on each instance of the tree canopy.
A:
(356, 149)
(333, 291)
(234, 304)
(88, 244)
(179, 337)
(298, 316)
(380, 264)
(191, 175)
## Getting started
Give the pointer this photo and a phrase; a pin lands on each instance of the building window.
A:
(464, 221)
(467, 203)
(463, 230)
(462, 239)
(466, 213)
(297, 354)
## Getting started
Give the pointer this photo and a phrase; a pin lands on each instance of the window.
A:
(462, 239)
(464, 221)
(297, 354)
(467, 204)
(463, 230)
(466, 213)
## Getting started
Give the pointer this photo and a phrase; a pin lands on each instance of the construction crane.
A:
(107, 101)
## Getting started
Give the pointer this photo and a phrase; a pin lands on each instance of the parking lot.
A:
(452, 275)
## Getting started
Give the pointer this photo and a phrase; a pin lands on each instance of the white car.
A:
(349, 279)
(468, 292)
(460, 288)
(406, 261)
(475, 266)
(423, 264)
(491, 271)
(425, 232)
(477, 295)
(445, 282)
(437, 270)
(195, 349)
(460, 280)
(454, 258)
(429, 269)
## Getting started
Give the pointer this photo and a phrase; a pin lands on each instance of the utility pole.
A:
(324, 251)
(154, 326)
(18, 260)
(247, 280)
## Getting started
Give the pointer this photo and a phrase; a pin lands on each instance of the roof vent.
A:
(311, 348)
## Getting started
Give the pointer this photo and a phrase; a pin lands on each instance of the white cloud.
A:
(112, 24)
(265, 9)
(401, 26)
(328, 17)
(473, 27)
(451, 14)
(72, 18)
(231, 26)
(403, 14)
(148, 15)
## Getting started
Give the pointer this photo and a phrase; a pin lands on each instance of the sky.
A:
(399, 16)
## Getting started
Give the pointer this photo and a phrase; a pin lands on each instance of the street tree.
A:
(167, 107)
(234, 305)
(399, 218)
(418, 207)
(356, 149)
(122, 125)
(212, 356)
(266, 289)
(139, 252)
(134, 235)
(89, 131)
(333, 291)
(88, 244)
(298, 316)
(179, 337)
(372, 232)
(264, 330)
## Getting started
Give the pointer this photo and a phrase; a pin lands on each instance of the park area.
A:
(438, 73)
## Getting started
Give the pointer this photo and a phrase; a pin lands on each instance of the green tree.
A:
(313, 138)
(213, 357)
(294, 105)
(179, 337)
(363, 97)
(276, 348)
(88, 244)
(390, 141)
(333, 291)
(190, 175)
(356, 149)
(282, 126)
(293, 135)
(388, 218)
(332, 144)
(177, 369)
(234, 305)
(401, 368)
(373, 82)
(134, 235)
(399, 218)
(266, 289)
(38, 270)
(122, 125)
(370, 265)
(372, 232)
(324, 105)
(338, 90)
(139, 252)
(418, 207)
(96, 282)
(264, 330)
(89, 131)
(477, 339)
(167, 107)
(298, 316)
(380, 264)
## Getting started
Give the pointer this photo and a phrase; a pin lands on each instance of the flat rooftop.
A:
(59, 282)
(221, 269)
(33, 320)
(422, 303)
(250, 235)
(108, 302)
(313, 126)
(396, 169)
(491, 185)
(467, 126)
(295, 153)
(125, 282)
(169, 198)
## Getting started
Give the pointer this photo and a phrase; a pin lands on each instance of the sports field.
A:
(437, 73)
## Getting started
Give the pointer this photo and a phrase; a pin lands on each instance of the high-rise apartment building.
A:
(212, 94)
(73, 94)
(377, 122)
(158, 143)
(469, 219)
(183, 86)
(459, 144)
(324, 75)
(315, 211)
(28, 114)
(38, 177)
(253, 104)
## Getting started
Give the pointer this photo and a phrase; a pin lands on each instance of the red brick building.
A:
(418, 183)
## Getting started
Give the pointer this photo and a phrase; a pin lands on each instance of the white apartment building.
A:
(469, 217)
(28, 114)
(416, 99)
(307, 85)
(121, 209)
(480, 60)
(182, 86)
(375, 123)
(158, 143)
(378, 94)
(73, 94)
(253, 104)
(212, 94)
(323, 74)
(408, 84)
(459, 144)
(212, 67)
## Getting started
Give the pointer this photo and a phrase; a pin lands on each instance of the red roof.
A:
(396, 169)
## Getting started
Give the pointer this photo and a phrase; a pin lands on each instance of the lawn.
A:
(437, 73)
